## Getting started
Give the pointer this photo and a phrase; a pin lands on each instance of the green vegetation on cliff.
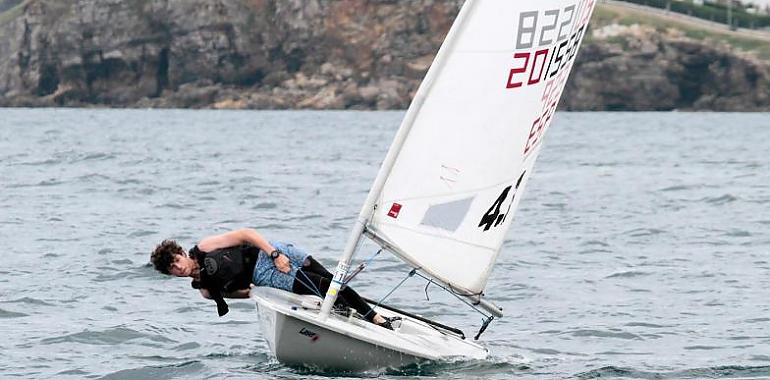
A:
(753, 42)
(648, 60)
(9, 10)
(739, 15)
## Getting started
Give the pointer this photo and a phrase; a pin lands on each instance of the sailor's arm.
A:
(237, 237)
(244, 236)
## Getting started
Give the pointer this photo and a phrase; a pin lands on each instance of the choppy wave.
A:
(650, 260)
(174, 371)
(11, 314)
(605, 334)
(628, 274)
(720, 200)
(107, 337)
(718, 372)
(29, 301)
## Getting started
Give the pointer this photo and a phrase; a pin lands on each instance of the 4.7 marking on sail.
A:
(493, 215)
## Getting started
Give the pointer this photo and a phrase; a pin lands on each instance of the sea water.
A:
(641, 248)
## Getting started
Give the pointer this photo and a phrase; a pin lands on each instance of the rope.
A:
(360, 268)
(314, 288)
(344, 283)
(317, 291)
(369, 260)
(484, 322)
(452, 292)
(392, 290)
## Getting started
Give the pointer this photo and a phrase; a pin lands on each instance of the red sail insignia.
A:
(394, 210)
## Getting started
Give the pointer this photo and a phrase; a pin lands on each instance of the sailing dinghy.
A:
(446, 193)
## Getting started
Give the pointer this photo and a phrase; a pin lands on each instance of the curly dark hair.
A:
(163, 255)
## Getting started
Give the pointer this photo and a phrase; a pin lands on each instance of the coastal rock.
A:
(639, 69)
(321, 54)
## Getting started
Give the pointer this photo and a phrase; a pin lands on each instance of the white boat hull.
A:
(296, 337)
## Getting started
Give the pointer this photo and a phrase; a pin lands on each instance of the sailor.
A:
(226, 266)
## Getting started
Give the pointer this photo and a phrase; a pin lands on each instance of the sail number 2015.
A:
(548, 43)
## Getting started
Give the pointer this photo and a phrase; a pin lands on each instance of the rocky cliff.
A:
(638, 68)
(319, 54)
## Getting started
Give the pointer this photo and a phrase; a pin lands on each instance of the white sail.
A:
(471, 136)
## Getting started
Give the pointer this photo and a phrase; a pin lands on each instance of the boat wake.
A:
(464, 368)
(447, 369)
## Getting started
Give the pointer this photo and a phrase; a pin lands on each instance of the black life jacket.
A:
(225, 270)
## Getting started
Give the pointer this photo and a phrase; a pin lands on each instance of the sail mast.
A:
(368, 208)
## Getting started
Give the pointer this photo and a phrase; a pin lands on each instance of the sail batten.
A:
(470, 139)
